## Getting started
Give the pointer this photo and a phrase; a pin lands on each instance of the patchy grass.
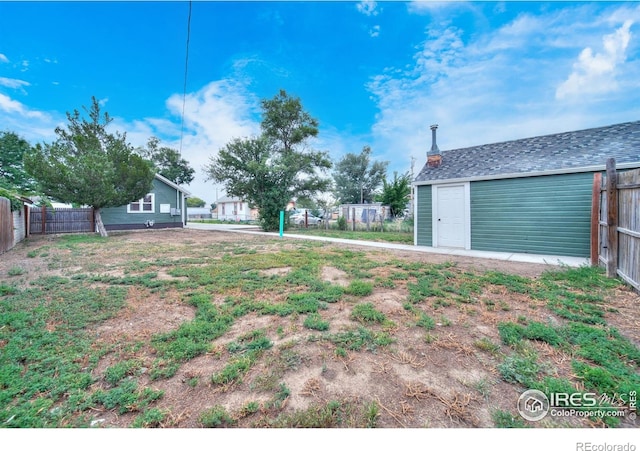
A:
(129, 329)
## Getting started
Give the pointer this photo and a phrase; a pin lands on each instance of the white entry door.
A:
(451, 217)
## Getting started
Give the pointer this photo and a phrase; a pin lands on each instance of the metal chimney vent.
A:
(434, 146)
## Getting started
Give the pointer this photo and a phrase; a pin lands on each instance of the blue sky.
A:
(372, 73)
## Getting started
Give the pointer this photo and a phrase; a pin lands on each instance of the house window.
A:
(144, 205)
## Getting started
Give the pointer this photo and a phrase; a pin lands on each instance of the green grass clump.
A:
(7, 289)
(247, 350)
(359, 338)
(504, 419)
(127, 397)
(314, 321)
(484, 344)
(359, 288)
(332, 414)
(521, 368)
(117, 372)
(149, 418)
(512, 333)
(16, 271)
(367, 313)
(216, 416)
(425, 321)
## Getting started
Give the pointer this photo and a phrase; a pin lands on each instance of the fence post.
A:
(353, 218)
(44, 219)
(612, 218)
(595, 218)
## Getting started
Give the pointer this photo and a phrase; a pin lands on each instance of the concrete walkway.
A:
(505, 256)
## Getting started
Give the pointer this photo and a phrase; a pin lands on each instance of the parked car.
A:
(298, 219)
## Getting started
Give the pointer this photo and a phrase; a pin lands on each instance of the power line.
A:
(186, 68)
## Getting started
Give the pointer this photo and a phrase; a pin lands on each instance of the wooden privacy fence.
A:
(615, 232)
(6, 225)
(61, 220)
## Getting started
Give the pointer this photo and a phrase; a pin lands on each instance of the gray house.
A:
(163, 207)
(530, 195)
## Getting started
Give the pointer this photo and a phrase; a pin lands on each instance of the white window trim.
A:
(141, 201)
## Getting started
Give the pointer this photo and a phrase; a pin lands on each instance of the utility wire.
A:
(186, 67)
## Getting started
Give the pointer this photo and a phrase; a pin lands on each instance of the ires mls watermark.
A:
(534, 405)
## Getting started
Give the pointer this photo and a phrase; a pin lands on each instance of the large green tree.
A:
(357, 179)
(87, 165)
(168, 162)
(271, 169)
(12, 173)
(396, 193)
(195, 202)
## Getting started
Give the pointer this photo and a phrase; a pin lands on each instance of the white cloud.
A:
(375, 31)
(595, 72)
(501, 84)
(430, 6)
(213, 116)
(31, 124)
(9, 105)
(13, 83)
(3, 58)
(368, 8)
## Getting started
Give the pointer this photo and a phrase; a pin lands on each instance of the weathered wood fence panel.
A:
(62, 220)
(618, 232)
(6, 225)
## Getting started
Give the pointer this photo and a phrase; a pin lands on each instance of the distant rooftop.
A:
(569, 151)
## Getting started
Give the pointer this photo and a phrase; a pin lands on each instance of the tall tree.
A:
(396, 194)
(86, 165)
(195, 202)
(271, 169)
(357, 179)
(168, 162)
(12, 173)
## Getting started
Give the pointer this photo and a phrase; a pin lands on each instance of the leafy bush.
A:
(342, 223)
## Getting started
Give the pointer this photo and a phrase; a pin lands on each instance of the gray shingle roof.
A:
(562, 151)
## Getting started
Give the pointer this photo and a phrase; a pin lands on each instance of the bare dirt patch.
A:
(334, 275)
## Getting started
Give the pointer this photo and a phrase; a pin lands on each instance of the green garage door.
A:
(540, 215)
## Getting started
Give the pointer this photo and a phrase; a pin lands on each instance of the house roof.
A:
(576, 151)
(225, 199)
(173, 185)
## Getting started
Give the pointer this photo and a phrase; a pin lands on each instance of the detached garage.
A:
(530, 195)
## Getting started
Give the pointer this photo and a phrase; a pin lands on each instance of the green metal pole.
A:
(281, 223)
